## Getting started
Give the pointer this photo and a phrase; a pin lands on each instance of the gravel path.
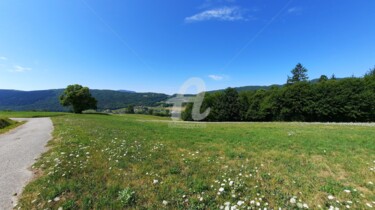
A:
(18, 150)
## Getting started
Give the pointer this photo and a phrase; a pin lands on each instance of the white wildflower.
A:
(240, 203)
(233, 207)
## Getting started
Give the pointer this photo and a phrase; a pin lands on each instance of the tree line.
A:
(325, 100)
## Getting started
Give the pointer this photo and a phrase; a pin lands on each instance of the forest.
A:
(324, 100)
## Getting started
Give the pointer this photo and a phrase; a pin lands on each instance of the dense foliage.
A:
(79, 98)
(325, 100)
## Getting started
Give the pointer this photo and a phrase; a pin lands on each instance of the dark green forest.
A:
(323, 100)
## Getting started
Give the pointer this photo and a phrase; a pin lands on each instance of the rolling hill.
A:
(48, 100)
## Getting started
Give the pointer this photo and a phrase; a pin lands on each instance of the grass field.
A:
(131, 161)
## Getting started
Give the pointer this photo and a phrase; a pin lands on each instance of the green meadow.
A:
(146, 162)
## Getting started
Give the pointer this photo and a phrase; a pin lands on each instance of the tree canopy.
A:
(78, 97)
(324, 100)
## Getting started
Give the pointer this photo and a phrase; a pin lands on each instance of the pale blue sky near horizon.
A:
(155, 46)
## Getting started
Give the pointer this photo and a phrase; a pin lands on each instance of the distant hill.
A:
(264, 87)
(247, 88)
(126, 91)
(48, 100)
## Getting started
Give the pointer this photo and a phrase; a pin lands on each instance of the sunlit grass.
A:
(134, 161)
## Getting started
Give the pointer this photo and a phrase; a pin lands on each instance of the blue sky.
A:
(156, 45)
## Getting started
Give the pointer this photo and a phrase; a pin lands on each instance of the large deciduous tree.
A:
(78, 97)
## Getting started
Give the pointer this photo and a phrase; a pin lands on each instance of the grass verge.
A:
(7, 125)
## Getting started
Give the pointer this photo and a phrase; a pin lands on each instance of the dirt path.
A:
(18, 150)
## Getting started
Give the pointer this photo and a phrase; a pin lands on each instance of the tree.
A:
(371, 73)
(187, 115)
(78, 97)
(227, 106)
(296, 101)
(323, 78)
(299, 74)
(130, 109)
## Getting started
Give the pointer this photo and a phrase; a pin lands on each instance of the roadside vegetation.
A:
(7, 124)
(141, 162)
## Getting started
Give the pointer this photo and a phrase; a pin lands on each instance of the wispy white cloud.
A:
(20, 69)
(294, 10)
(223, 14)
(3, 58)
(216, 77)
